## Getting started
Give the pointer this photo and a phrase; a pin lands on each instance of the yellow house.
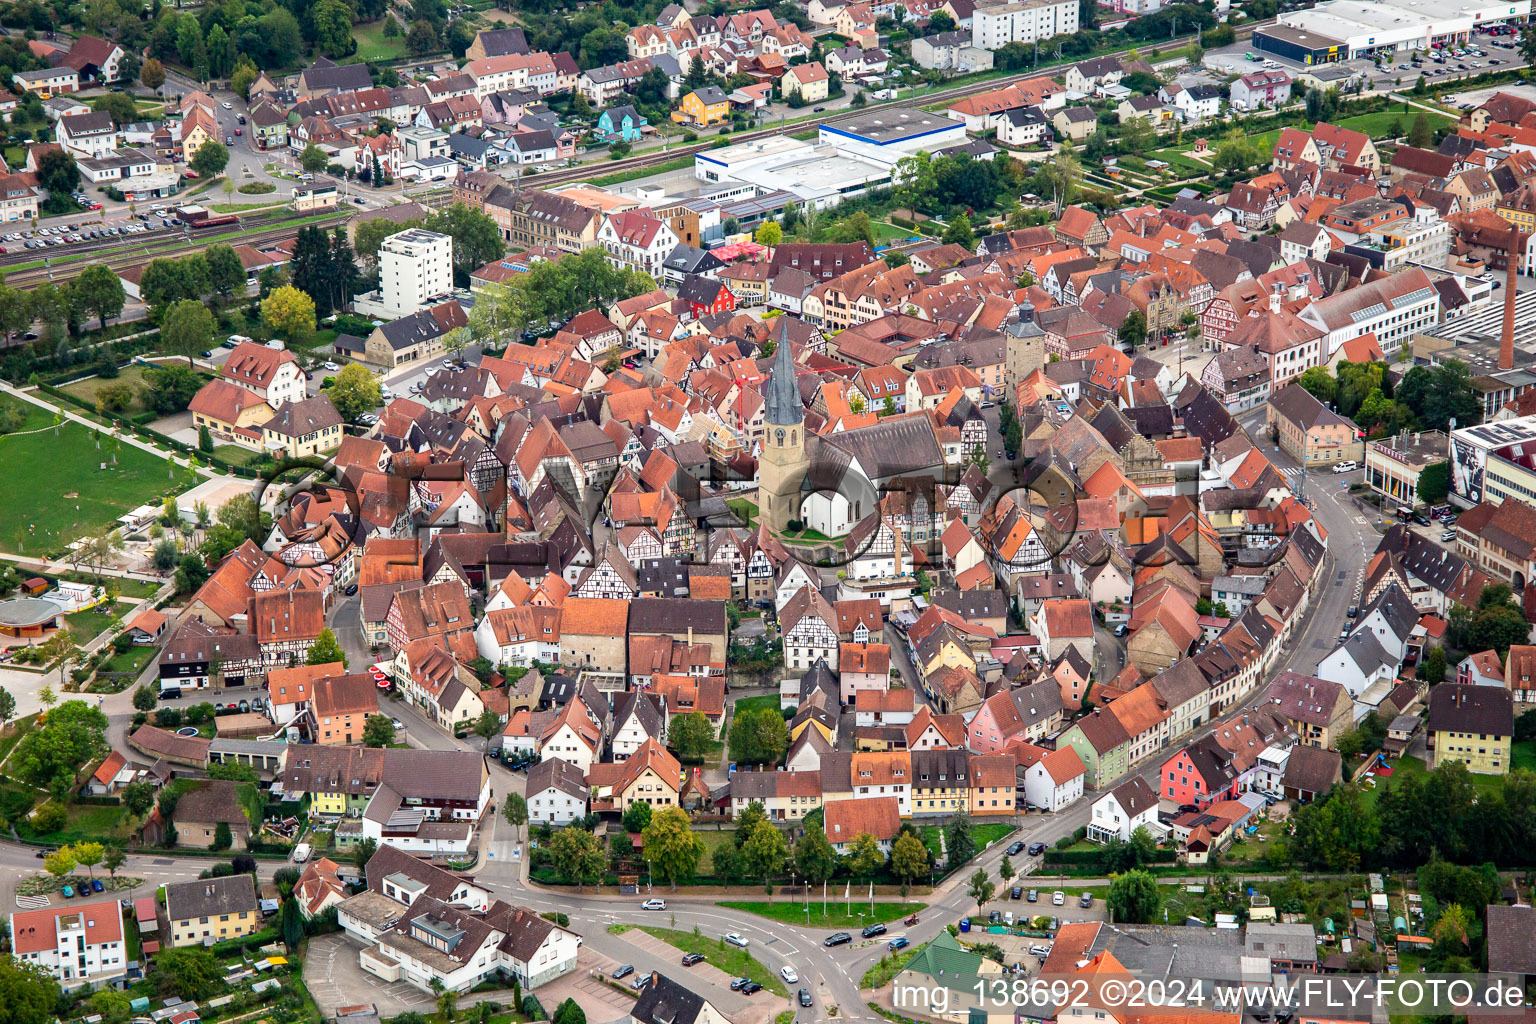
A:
(703, 107)
(651, 776)
(1472, 724)
(811, 716)
(940, 781)
(810, 82)
(211, 908)
(993, 784)
(942, 649)
(196, 128)
(310, 427)
(230, 412)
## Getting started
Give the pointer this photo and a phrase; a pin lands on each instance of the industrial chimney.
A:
(1507, 336)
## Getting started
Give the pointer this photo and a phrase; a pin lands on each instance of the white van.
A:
(301, 853)
(1345, 467)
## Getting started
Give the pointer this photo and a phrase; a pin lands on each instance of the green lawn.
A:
(87, 624)
(1524, 755)
(86, 821)
(36, 416)
(132, 660)
(734, 961)
(1378, 125)
(888, 967)
(744, 509)
(767, 700)
(793, 911)
(235, 455)
(12, 734)
(981, 834)
(712, 841)
(48, 475)
(371, 44)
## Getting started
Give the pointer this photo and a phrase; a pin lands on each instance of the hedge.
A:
(1095, 858)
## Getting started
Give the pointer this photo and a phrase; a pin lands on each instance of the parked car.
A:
(1033, 896)
(1016, 893)
(751, 988)
(870, 931)
(689, 959)
(1085, 900)
(622, 971)
(736, 983)
(1058, 898)
(68, 892)
(1036, 849)
(1014, 849)
(97, 886)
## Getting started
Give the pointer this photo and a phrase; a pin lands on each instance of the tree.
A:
(210, 159)
(487, 724)
(636, 817)
(291, 923)
(204, 440)
(326, 650)
(1435, 483)
(1005, 870)
(1320, 383)
(355, 392)
(187, 329)
(225, 274)
(959, 232)
(864, 856)
(515, 810)
(764, 852)
(1134, 897)
(57, 172)
(672, 848)
(112, 1007)
(1133, 329)
(51, 755)
(577, 857)
(138, 797)
(1421, 134)
(690, 737)
(815, 860)
(222, 838)
(288, 311)
(7, 706)
(1433, 669)
(88, 855)
(958, 840)
(1437, 394)
(981, 889)
(1137, 135)
(333, 28)
(59, 863)
(100, 291)
(909, 858)
(28, 992)
(168, 389)
(313, 159)
(118, 104)
(569, 1012)
(378, 731)
(1528, 44)
(113, 858)
(1058, 178)
(152, 74)
(363, 852)
(758, 736)
(476, 239)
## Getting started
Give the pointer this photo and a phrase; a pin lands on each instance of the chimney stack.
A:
(1507, 337)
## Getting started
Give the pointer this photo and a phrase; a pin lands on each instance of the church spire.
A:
(784, 405)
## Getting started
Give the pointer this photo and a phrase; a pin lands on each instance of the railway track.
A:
(254, 235)
(172, 245)
(567, 175)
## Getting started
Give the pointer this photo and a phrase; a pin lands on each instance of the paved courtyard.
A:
(336, 979)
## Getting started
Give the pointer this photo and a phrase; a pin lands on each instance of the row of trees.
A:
(1426, 398)
(552, 291)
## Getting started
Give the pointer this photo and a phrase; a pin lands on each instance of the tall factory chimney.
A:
(1511, 272)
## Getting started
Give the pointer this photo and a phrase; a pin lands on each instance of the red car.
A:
(239, 131)
(189, 173)
(94, 206)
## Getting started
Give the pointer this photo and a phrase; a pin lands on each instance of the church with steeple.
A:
(782, 465)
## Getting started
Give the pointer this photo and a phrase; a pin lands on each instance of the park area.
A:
(72, 481)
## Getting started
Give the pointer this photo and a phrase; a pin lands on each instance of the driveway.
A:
(600, 999)
(335, 979)
(178, 427)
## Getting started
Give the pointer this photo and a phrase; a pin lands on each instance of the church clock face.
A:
(778, 435)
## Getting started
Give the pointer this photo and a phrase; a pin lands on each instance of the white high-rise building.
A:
(1024, 21)
(415, 271)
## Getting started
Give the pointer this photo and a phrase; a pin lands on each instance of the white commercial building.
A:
(996, 26)
(1367, 26)
(415, 272)
(1393, 308)
(847, 159)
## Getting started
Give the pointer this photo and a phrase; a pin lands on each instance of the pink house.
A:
(863, 668)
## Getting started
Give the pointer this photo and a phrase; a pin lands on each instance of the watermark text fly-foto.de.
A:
(1057, 996)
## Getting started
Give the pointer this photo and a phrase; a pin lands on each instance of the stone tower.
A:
(782, 465)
